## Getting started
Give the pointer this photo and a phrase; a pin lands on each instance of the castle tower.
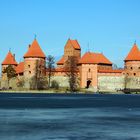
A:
(90, 63)
(132, 62)
(72, 48)
(34, 61)
(9, 60)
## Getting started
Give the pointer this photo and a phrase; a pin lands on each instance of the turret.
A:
(9, 60)
(34, 61)
(132, 62)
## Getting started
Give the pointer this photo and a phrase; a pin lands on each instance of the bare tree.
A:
(71, 70)
(38, 81)
(20, 83)
(50, 68)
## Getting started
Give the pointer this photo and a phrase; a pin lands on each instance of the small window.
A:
(131, 68)
(29, 72)
(89, 70)
(28, 66)
(134, 74)
(127, 74)
(139, 68)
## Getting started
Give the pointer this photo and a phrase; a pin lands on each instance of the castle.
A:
(94, 69)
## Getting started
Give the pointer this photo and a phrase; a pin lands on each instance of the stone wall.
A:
(132, 82)
(62, 81)
(105, 83)
(12, 84)
(110, 83)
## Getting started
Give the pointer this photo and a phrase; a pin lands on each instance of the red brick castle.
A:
(95, 70)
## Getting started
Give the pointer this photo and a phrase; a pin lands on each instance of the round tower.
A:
(34, 61)
(132, 62)
(9, 60)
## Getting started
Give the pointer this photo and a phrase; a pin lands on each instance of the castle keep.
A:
(94, 69)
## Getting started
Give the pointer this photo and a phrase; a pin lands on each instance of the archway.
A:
(88, 83)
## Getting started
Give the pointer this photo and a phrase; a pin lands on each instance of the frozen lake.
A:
(69, 117)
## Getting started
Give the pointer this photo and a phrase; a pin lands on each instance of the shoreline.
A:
(64, 91)
(59, 92)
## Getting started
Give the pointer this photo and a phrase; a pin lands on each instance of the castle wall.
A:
(106, 82)
(104, 67)
(61, 73)
(110, 83)
(12, 83)
(62, 80)
(132, 82)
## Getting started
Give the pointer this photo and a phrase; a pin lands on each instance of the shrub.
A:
(54, 84)
(39, 83)
(20, 83)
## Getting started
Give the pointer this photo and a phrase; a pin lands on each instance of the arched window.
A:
(89, 70)
(131, 68)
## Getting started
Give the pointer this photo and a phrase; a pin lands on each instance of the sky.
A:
(106, 26)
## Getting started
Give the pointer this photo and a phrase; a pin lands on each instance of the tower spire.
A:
(88, 47)
(35, 36)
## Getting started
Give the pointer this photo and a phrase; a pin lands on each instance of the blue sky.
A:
(108, 26)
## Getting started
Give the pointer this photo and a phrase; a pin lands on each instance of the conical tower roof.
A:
(134, 54)
(9, 59)
(35, 51)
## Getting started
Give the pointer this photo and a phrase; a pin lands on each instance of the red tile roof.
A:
(20, 68)
(9, 60)
(111, 71)
(94, 58)
(35, 51)
(75, 44)
(134, 54)
(61, 61)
